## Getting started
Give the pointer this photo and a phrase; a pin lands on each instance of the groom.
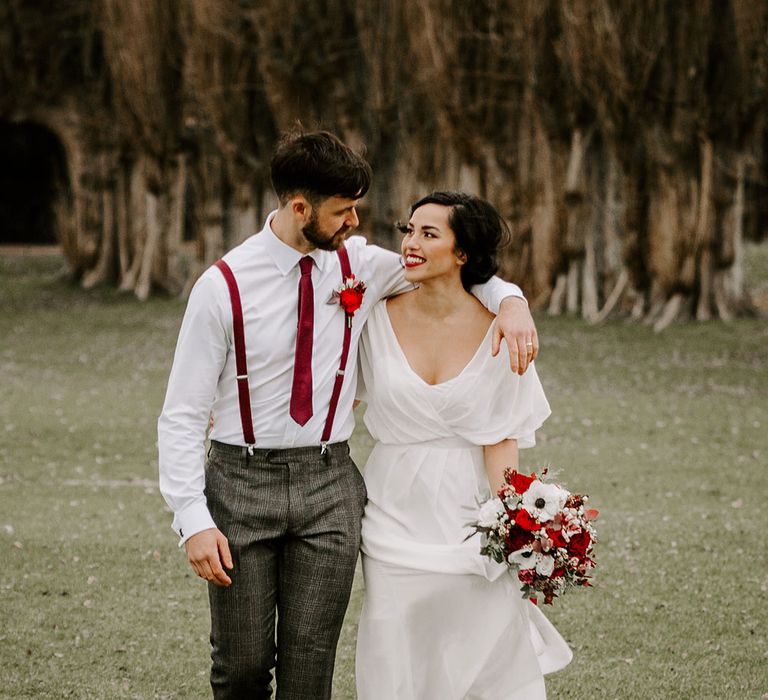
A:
(272, 518)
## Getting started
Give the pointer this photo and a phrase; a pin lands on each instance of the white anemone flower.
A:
(545, 565)
(524, 558)
(543, 501)
(490, 511)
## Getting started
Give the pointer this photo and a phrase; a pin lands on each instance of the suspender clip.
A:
(339, 372)
(250, 449)
(323, 448)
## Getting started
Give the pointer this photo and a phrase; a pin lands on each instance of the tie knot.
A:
(306, 265)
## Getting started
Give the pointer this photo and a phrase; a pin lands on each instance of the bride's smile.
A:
(414, 260)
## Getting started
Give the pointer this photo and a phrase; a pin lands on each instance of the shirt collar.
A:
(285, 257)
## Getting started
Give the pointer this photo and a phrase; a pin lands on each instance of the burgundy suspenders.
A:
(243, 391)
(346, 273)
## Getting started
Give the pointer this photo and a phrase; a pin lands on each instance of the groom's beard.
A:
(311, 232)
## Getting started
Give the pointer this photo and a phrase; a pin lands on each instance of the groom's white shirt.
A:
(203, 374)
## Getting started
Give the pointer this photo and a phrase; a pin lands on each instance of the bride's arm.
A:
(499, 457)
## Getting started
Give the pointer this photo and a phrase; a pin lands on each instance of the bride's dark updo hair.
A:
(479, 232)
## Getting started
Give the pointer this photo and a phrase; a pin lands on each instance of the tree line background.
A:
(624, 142)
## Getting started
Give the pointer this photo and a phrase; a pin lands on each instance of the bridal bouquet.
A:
(543, 531)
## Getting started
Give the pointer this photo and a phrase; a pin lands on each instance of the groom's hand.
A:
(515, 324)
(208, 553)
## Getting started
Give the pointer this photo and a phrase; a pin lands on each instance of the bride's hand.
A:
(515, 324)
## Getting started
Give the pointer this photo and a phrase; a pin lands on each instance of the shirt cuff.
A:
(193, 519)
(517, 295)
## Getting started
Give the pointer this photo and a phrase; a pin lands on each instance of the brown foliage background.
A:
(624, 142)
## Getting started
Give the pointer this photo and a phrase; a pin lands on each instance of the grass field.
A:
(668, 434)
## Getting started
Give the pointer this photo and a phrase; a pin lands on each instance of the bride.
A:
(440, 621)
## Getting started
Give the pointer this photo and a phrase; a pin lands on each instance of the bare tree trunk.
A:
(245, 223)
(572, 287)
(613, 298)
(213, 232)
(558, 295)
(103, 271)
(734, 225)
(703, 234)
(670, 312)
(123, 216)
(545, 256)
(144, 279)
(137, 206)
(173, 279)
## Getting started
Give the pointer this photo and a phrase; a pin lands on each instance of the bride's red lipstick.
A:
(414, 263)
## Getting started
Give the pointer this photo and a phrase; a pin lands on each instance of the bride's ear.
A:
(461, 256)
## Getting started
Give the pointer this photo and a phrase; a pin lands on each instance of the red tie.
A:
(301, 393)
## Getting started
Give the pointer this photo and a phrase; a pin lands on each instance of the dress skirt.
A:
(440, 621)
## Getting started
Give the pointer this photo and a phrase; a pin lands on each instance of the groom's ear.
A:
(300, 207)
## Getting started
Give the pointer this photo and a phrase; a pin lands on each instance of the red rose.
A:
(527, 576)
(578, 544)
(520, 482)
(556, 535)
(518, 538)
(526, 521)
(351, 299)
(558, 572)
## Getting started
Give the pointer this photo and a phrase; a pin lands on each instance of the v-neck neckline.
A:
(408, 364)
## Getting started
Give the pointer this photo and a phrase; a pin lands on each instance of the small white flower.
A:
(490, 512)
(543, 501)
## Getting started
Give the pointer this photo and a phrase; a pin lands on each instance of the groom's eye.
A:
(403, 228)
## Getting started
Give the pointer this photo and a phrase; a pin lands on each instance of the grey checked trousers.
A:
(292, 518)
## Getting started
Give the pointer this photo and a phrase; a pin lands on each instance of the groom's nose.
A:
(352, 220)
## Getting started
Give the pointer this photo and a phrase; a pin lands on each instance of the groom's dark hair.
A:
(479, 230)
(318, 165)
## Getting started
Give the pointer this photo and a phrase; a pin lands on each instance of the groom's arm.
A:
(514, 321)
(201, 352)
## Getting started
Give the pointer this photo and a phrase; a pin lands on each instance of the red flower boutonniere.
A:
(349, 296)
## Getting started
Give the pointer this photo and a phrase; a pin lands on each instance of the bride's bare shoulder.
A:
(400, 302)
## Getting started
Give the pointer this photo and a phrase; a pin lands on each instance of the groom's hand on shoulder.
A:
(515, 324)
(208, 554)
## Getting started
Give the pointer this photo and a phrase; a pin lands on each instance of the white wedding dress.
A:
(440, 621)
